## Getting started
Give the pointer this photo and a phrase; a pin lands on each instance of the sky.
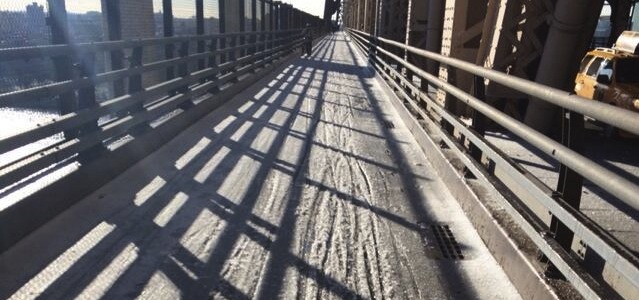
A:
(314, 7)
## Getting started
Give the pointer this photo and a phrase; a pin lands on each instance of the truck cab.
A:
(611, 75)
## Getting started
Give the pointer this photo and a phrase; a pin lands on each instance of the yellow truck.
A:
(612, 75)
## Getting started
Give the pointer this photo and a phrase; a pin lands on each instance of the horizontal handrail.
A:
(8, 54)
(607, 247)
(57, 88)
(618, 117)
(215, 76)
(620, 187)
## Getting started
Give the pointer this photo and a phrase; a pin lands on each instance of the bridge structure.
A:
(428, 149)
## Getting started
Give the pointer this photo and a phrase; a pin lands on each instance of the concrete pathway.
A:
(307, 186)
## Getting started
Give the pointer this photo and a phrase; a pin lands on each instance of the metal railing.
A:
(137, 108)
(453, 130)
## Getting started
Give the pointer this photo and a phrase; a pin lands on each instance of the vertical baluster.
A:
(222, 46)
(213, 63)
(213, 57)
(569, 189)
(232, 44)
(183, 71)
(183, 67)
(450, 102)
(135, 62)
(479, 120)
(135, 86)
(85, 68)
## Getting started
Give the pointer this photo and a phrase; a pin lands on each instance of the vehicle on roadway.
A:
(611, 75)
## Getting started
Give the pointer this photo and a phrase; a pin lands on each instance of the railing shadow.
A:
(452, 278)
(144, 229)
(157, 246)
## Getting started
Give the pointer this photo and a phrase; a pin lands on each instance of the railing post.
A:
(86, 95)
(570, 183)
(371, 49)
(450, 102)
(135, 62)
(183, 71)
(135, 86)
(183, 67)
(213, 57)
(232, 44)
(479, 120)
(213, 63)
(85, 68)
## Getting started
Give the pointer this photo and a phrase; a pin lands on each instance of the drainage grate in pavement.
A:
(389, 124)
(447, 243)
(439, 242)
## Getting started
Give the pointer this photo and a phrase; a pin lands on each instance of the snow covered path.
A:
(306, 186)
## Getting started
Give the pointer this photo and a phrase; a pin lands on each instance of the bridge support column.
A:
(512, 41)
(393, 15)
(416, 34)
(130, 20)
(392, 23)
(233, 22)
(63, 64)
(434, 29)
(461, 38)
(369, 16)
(568, 39)
(233, 17)
(285, 16)
(353, 13)
(167, 20)
(619, 18)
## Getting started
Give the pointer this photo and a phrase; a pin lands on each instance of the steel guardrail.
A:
(611, 250)
(8, 54)
(173, 93)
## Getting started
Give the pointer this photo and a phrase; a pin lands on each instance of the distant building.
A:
(37, 26)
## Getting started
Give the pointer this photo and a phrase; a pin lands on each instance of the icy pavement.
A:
(307, 186)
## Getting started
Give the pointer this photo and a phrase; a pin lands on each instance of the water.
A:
(14, 121)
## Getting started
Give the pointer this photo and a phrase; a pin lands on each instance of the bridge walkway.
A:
(306, 185)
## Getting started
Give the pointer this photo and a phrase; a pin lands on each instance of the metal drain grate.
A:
(389, 124)
(448, 245)
(439, 241)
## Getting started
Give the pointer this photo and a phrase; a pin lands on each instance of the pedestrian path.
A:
(307, 185)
